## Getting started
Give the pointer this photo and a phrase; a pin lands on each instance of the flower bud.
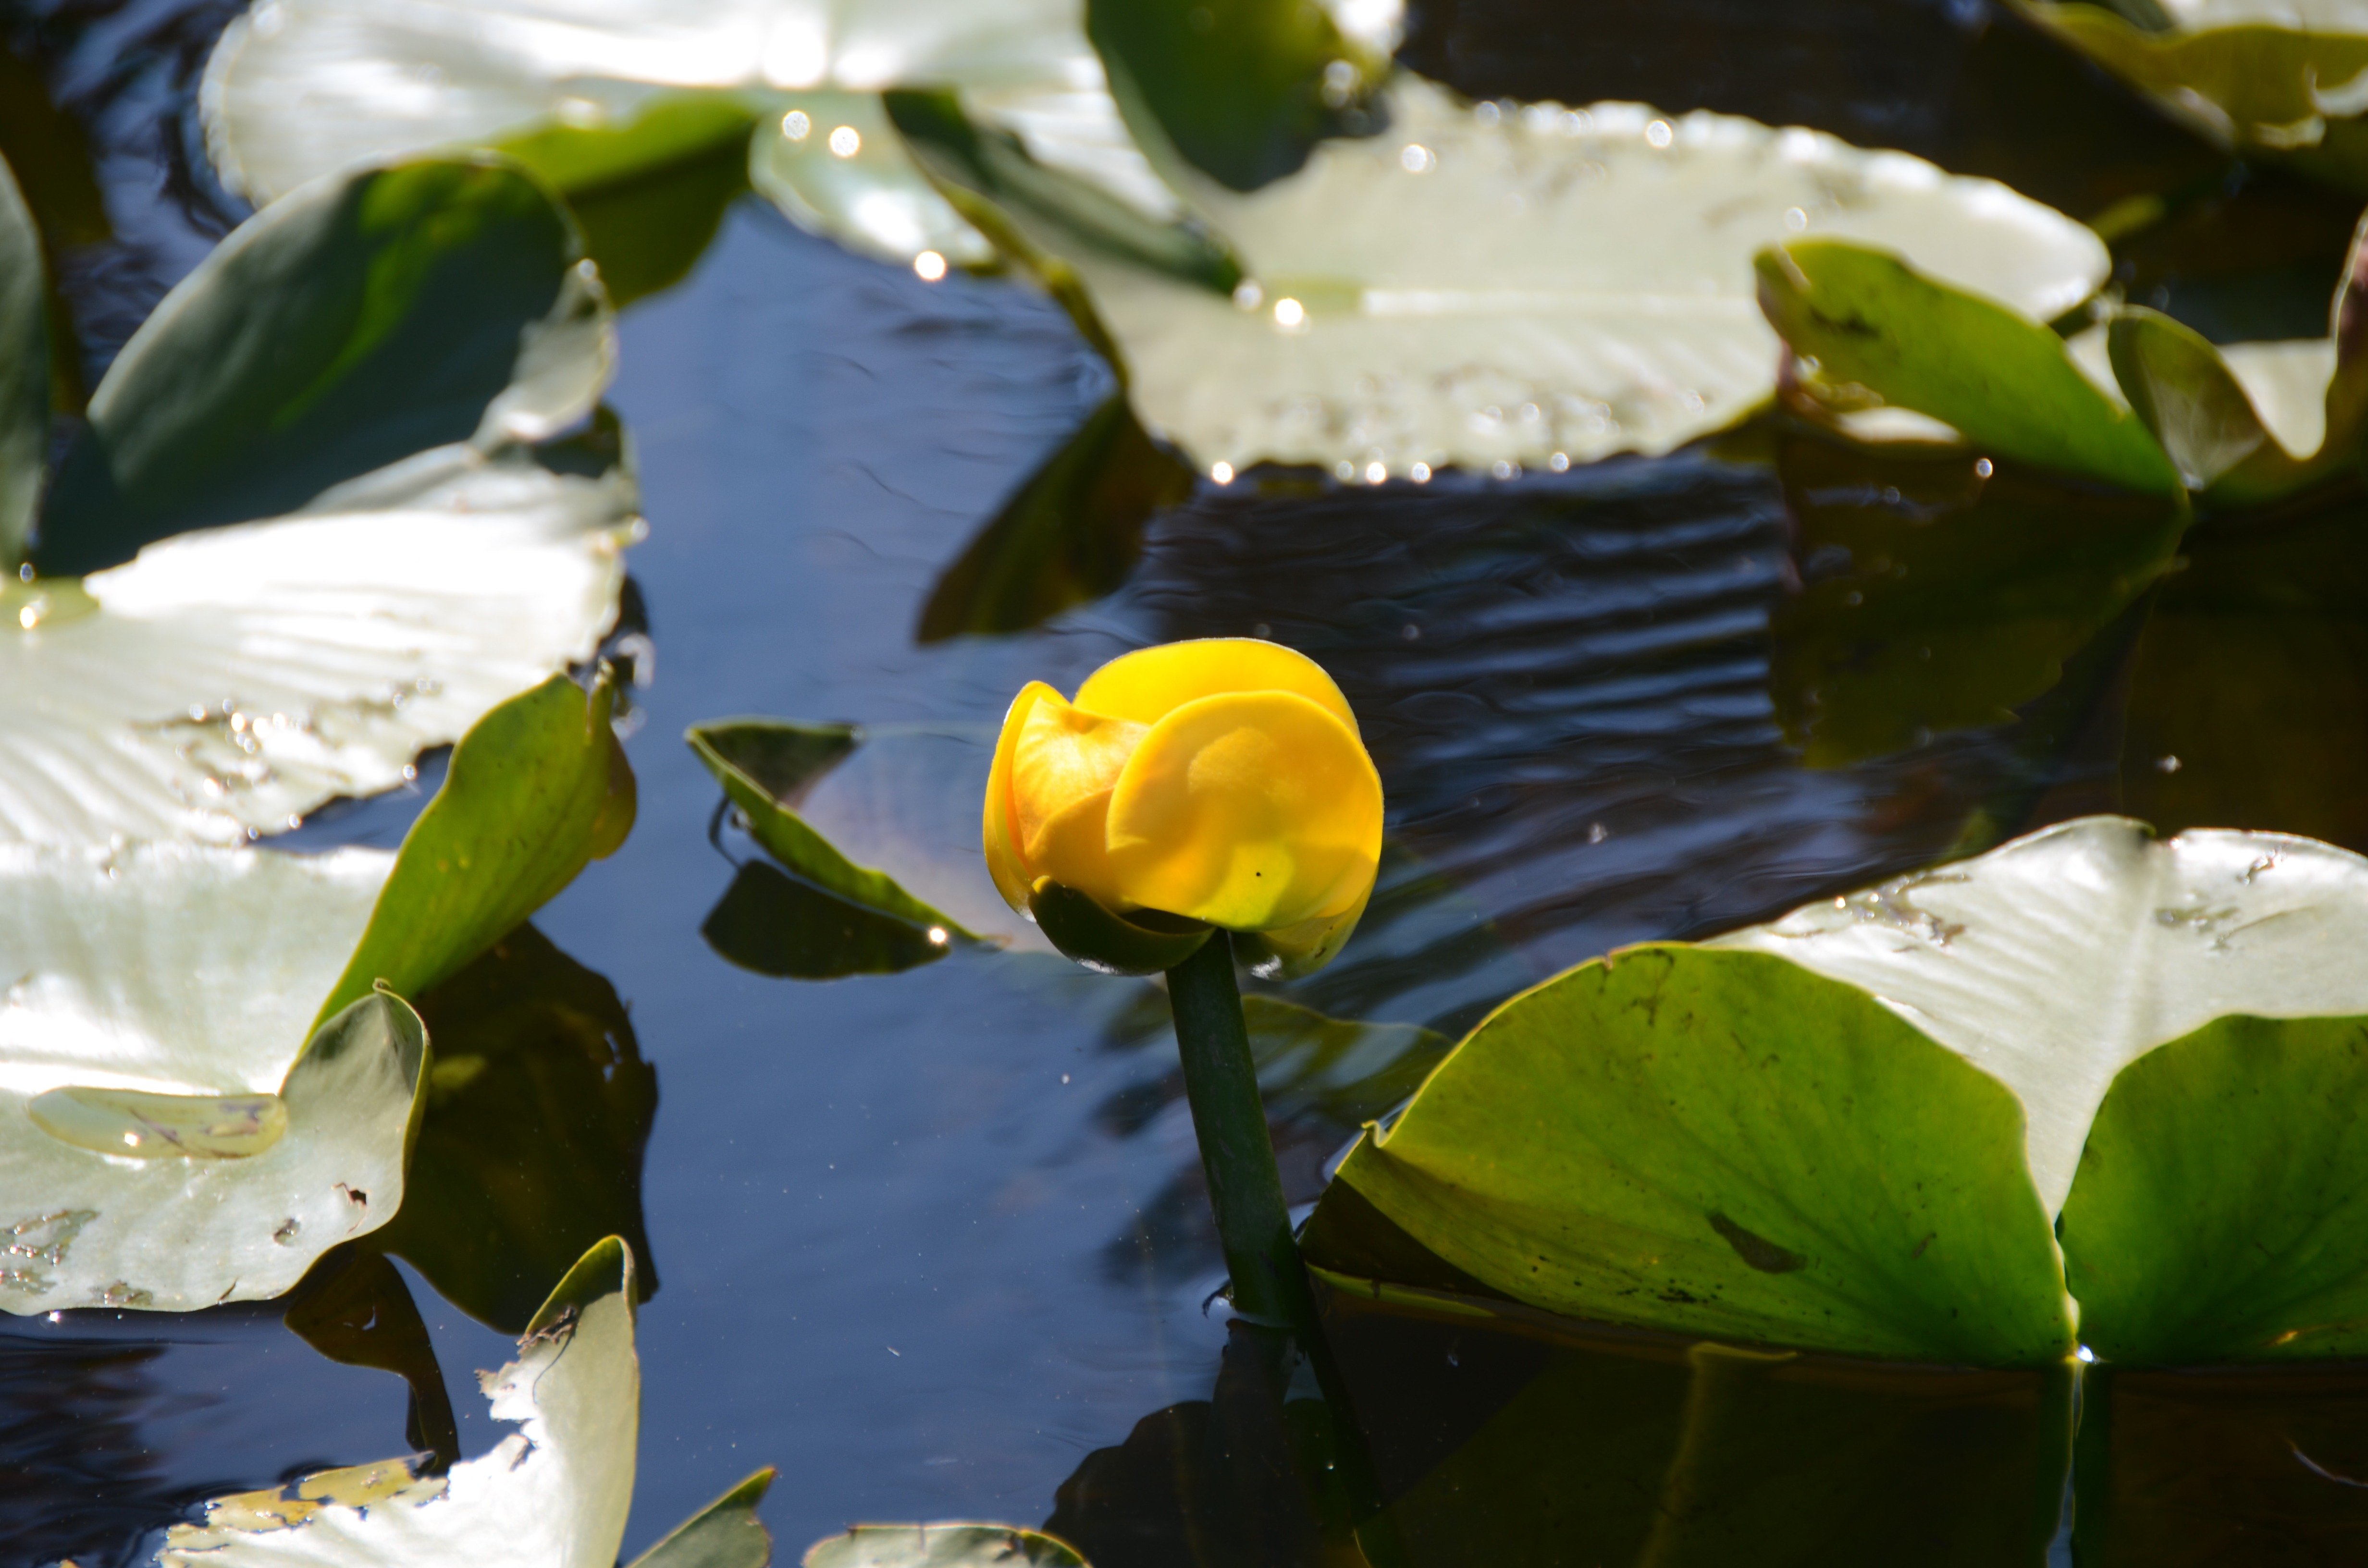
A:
(1219, 782)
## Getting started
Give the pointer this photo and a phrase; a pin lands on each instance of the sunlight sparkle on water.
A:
(930, 265)
(796, 125)
(845, 141)
(1290, 313)
(1222, 472)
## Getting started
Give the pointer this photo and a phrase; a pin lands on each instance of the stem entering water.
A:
(1244, 1189)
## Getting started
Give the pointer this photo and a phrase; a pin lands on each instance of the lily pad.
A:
(369, 318)
(24, 368)
(554, 1492)
(835, 164)
(180, 1142)
(2284, 78)
(884, 817)
(1876, 323)
(1484, 287)
(942, 1546)
(232, 679)
(1721, 1143)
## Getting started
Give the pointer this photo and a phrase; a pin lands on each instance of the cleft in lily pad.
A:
(555, 1494)
(212, 1075)
(1854, 1141)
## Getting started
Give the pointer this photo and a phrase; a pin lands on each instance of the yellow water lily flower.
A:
(1221, 781)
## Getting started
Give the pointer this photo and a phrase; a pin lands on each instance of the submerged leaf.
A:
(24, 369)
(1987, 368)
(1479, 287)
(724, 1534)
(339, 331)
(772, 923)
(232, 679)
(1722, 1144)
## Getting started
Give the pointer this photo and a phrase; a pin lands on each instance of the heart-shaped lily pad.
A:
(1846, 1130)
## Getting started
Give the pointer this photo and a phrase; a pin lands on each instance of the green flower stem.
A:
(1244, 1189)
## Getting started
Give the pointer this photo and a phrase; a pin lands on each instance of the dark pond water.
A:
(933, 1242)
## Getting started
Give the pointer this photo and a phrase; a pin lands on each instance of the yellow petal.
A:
(1004, 862)
(1064, 765)
(1151, 683)
(1251, 811)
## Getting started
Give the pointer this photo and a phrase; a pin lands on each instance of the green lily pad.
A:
(1874, 321)
(2221, 1198)
(24, 369)
(2286, 81)
(539, 1107)
(941, 1546)
(1724, 1144)
(555, 1491)
(825, 799)
(372, 318)
(182, 1144)
(1491, 287)
(724, 1534)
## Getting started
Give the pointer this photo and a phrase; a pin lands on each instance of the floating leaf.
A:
(24, 369)
(553, 1495)
(539, 1107)
(1721, 1144)
(724, 1534)
(2265, 77)
(538, 789)
(647, 227)
(229, 680)
(1983, 366)
(1940, 591)
(941, 1546)
(1478, 286)
(163, 992)
(824, 799)
(836, 165)
(2054, 962)
(336, 332)
(1242, 88)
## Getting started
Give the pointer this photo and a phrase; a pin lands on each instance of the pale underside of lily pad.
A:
(228, 680)
(1477, 286)
(2316, 16)
(2285, 379)
(171, 1141)
(300, 88)
(2054, 962)
(553, 1495)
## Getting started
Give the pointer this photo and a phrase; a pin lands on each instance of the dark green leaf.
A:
(773, 924)
(539, 1107)
(1721, 1143)
(2179, 385)
(1934, 597)
(2004, 382)
(1145, 942)
(347, 326)
(724, 1534)
(2221, 1198)
(24, 370)
(765, 766)
(537, 789)
(1070, 535)
(1243, 88)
